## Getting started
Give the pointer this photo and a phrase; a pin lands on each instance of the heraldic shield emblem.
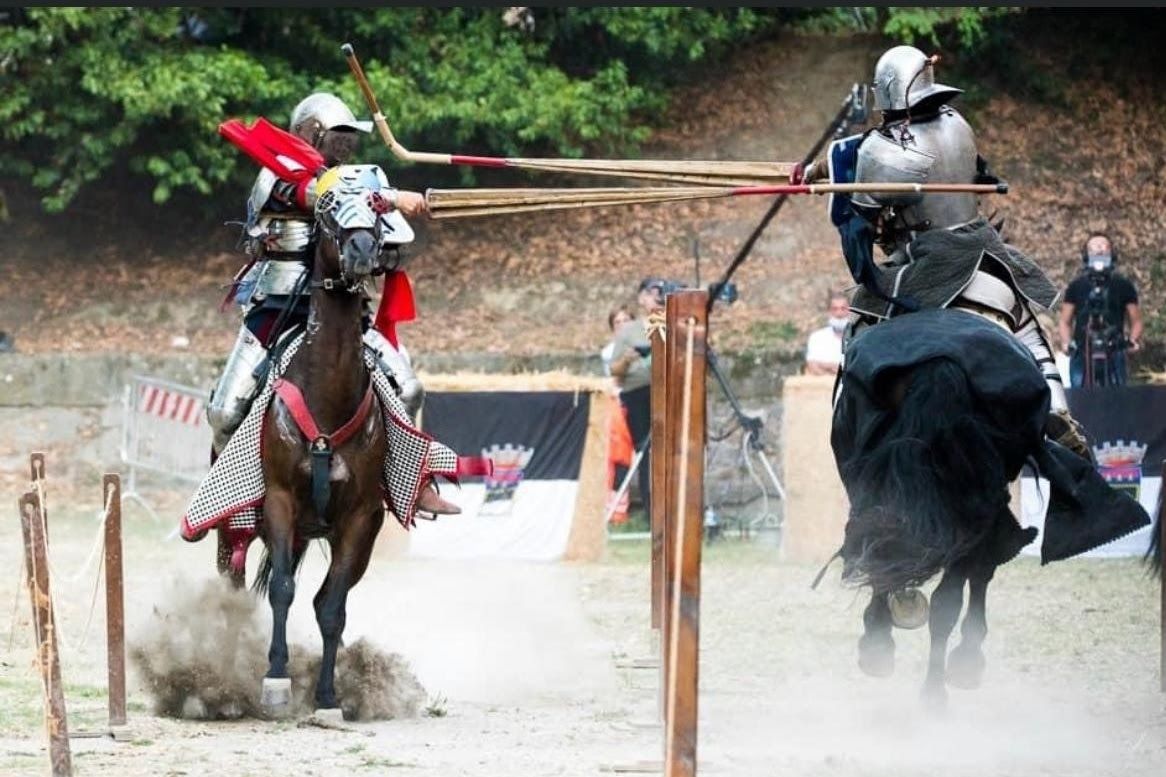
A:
(1120, 464)
(509, 467)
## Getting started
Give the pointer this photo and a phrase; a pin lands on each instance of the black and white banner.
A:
(525, 510)
(1126, 427)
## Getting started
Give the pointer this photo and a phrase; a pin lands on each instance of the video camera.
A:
(1103, 339)
(728, 292)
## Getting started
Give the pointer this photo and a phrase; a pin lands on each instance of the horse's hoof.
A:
(193, 708)
(909, 608)
(232, 710)
(327, 717)
(275, 697)
(934, 697)
(876, 659)
(965, 668)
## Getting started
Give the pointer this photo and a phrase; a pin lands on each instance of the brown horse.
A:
(323, 484)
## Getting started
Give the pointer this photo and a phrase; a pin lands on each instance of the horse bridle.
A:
(339, 283)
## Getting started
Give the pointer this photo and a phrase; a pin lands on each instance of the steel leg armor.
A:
(1062, 427)
(394, 363)
(236, 389)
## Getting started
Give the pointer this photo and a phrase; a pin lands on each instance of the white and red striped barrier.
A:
(164, 432)
(172, 404)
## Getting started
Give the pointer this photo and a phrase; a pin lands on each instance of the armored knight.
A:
(278, 231)
(273, 288)
(942, 251)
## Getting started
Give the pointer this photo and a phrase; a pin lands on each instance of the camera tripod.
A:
(1102, 348)
(751, 444)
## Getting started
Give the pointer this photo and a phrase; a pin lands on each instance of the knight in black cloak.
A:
(942, 251)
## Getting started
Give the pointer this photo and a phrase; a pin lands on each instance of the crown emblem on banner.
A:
(1120, 464)
(509, 466)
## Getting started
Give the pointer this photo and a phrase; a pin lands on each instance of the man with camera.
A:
(1098, 305)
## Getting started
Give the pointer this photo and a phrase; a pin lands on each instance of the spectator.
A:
(619, 451)
(631, 367)
(615, 319)
(1099, 304)
(824, 348)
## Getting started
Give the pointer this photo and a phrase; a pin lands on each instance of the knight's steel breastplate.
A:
(939, 150)
(282, 234)
(270, 230)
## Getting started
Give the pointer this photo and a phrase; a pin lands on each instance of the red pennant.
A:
(397, 305)
(265, 143)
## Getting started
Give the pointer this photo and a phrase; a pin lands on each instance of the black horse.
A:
(936, 412)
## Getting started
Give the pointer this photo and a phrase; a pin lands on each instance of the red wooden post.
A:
(37, 565)
(114, 602)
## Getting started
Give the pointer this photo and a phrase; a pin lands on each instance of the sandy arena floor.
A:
(522, 664)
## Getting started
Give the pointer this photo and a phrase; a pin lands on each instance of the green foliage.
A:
(942, 27)
(87, 91)
(925, 24)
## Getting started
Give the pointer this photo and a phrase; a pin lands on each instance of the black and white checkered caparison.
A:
(233, 490)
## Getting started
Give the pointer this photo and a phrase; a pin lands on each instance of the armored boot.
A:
(429, 501)
(394, 364)
(237, 388)
(1060, 427)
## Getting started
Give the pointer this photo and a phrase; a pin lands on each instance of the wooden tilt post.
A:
(687, 327)
(36, 474)
(669, 415)
(1162, 583)
(32, 525)
(658, 463)
(114, 602)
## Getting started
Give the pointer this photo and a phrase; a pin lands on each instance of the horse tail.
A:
(262, 582)
(263, 576)
(930, 488)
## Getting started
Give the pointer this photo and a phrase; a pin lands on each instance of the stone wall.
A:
(78, 397)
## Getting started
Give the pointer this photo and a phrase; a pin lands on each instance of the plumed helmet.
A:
(903, 68)
(328, 111)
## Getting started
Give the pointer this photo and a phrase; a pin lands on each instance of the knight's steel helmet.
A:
(903, 68)
(328, 111)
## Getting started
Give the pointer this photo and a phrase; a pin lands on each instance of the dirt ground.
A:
(521, 668)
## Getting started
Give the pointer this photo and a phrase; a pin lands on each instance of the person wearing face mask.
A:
(824, 348)
(1100, 309)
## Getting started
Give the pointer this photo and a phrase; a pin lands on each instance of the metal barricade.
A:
(164, 432)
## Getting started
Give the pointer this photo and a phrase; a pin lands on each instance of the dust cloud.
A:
(202, 654)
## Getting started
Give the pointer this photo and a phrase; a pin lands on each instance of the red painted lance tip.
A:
(478, 161)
